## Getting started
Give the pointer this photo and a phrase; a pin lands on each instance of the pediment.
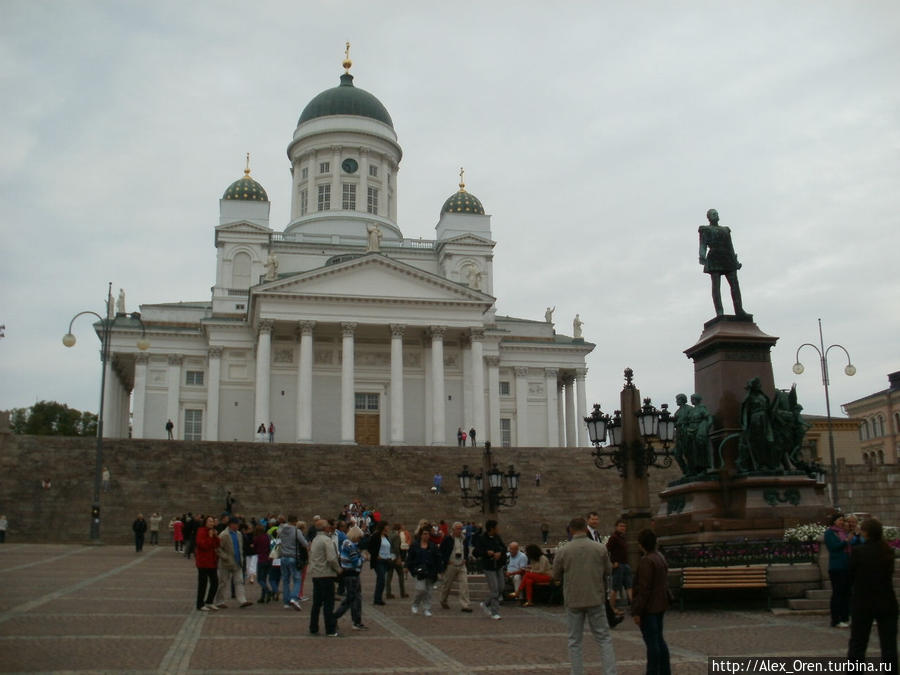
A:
(244, 226)
(374, 276)
(468, 239)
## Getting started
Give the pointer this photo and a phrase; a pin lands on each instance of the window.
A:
(881, 456)
(879, 426)
(240, 271)
(324, 197)
(373, 171)
(897, 423)
(348, 197)
(367, 401)
(504, 388)
(304, 201)
(372, 201)
(194, 378)
(505, 432)
(324, 167)
(304, 172)
(193, 425)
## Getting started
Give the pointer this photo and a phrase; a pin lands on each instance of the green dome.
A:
(462, 202)
(246, 189)
(346, 99)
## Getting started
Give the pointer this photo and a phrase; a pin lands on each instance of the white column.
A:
(140, 394)
(478, 415)
(397, 437)
(348, 399)
(426, 362)
(212, 393)
(304, 383)
(560, 412)
(263, 370)
(493, 371)
(582, 407)
(336, 193)
(438, 410)
(522, 439)
(173, 396)
(110, 409)
(570, 411)
(550, 375)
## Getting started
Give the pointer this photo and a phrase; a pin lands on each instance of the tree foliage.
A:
(49, 418)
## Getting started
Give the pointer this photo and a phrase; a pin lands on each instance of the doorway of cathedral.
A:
(368, 418)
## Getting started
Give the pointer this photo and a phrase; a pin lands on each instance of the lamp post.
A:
(850, 371)
(633, 430)
(69, 341)
(488, 491)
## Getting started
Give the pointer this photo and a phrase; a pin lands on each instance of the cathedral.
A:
(337, 328)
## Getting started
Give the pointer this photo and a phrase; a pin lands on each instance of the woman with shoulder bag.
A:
(424, 563)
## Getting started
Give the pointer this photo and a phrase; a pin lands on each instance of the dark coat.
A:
(139, 526)
(447, 549)
(427, 558)
(651, 587)
(871, 580)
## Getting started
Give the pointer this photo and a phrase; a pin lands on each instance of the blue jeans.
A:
(381, 568)
(657, 649)
(290, 577)
(274, 578)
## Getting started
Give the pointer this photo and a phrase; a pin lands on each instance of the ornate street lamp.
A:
(850, 371)
(489, 494)
(68, 340)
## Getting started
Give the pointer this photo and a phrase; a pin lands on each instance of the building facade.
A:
(879, 423)
(337, 328)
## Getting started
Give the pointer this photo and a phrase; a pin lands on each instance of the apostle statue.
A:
(577, 323)
(271, 267)
(374, 234)
(548, 315)
(684, 439)
(700, 458)
(718, 257)
(120, 302)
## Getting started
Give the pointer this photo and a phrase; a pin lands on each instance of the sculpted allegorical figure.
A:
(702, 421)
(756, 428)
(120, 302)
(271, 267)
(718, 257)
(548, 315)
(683, 439)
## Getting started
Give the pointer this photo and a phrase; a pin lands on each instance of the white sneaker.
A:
(496, 617)
(414, 609)
(212, 608)
(487, 610)
(427, 612)
(295, 604)
(843, 624)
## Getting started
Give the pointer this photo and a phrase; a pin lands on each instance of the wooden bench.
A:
(724, 578)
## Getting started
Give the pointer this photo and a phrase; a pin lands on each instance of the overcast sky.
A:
(595, 134)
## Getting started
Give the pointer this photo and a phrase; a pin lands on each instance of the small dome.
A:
(462, 201)
(246, 189)
(345, 99)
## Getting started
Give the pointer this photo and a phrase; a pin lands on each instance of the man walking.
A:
(493, 554)
(139, 527)
(651, 602)
(324, 569)
(583, 566)
(292, 541)
(231, 565)
(455, 552)
(169, 428)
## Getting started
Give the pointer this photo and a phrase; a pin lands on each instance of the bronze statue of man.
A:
(718, 257)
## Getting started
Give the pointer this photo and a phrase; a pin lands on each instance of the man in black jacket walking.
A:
(139, 527)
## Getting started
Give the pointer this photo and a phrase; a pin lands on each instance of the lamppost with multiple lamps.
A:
(634, 430)
(488, 491)
(849, 370)
(68, 340)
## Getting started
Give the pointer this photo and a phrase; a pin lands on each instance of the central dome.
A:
(346, 99)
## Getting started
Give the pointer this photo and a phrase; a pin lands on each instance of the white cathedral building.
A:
(338, 329)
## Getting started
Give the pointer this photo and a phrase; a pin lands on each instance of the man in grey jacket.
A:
(291, 541)
(324, 569)
(583, 566)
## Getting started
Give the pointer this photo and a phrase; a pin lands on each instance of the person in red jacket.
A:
(207, 564)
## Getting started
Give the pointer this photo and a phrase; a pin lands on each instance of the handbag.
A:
(275, 551)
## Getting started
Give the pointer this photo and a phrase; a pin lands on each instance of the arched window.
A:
(865, 458)
(897, 422)
(240, 274)
(879, 421)
(881, 456)
(864, 430)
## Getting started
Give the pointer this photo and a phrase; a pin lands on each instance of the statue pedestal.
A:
(722, 504)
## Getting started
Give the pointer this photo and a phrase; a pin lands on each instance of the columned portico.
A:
(493, 369)
(348, 426)
(521, 406)
(304, 383)
(478, 380)
(438, 424)
(140, 394)
(173, 396)
(397, 435)
(571, 434)
(263, 370)
(581, 396)
(550, 375)
(212, 406)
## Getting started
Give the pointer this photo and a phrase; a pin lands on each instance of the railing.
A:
(349, 240)
(742, 552)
